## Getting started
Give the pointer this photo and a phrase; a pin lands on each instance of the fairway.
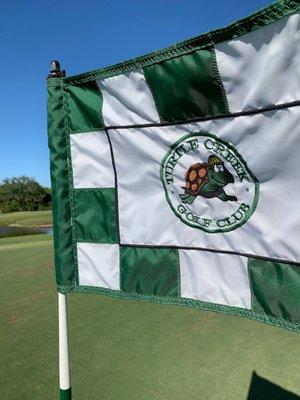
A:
(27, 218)
(127, 350)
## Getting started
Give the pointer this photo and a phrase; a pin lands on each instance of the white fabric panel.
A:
(215, 278)
(98, 265)
(262, 67)
(270, 145)
(91, 160)
(127, 100)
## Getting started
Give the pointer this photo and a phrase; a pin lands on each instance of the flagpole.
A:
(64, 360)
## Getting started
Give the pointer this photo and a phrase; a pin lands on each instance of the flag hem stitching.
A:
(71, 187)
(213, 307)
(116, 188)
(219, 80)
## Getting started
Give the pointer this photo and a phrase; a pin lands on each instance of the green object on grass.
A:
(65, 394)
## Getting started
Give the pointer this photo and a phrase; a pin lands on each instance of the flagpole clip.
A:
(55, 71)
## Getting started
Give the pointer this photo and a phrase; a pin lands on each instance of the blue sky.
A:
(82, 35)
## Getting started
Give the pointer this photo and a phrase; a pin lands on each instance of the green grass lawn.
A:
(126, 350)
(27, 218)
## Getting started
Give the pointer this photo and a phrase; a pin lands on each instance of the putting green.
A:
(125, 349)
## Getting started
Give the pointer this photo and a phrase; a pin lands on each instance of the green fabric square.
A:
(150, 271)
(275, 289)
(187, 86)
(84, 103)
(95, 211)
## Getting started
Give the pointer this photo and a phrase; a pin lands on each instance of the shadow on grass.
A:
(262, 389)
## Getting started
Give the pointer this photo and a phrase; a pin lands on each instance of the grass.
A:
(27, 218)
(126, 350)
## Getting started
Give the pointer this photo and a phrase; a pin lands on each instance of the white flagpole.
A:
(64, 362)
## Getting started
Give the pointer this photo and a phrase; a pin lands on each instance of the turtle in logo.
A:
(207, 180)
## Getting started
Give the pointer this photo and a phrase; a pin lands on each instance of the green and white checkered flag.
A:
(175, 175)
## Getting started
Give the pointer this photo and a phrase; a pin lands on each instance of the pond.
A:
(7, 231)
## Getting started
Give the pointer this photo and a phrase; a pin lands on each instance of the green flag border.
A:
(65, 236)
(61, 169)
(191, 303)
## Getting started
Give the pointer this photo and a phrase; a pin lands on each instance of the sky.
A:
(83, 35)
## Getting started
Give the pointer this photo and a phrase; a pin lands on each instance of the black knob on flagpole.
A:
(55, 71)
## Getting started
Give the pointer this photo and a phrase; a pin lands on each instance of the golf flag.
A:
(176, 175)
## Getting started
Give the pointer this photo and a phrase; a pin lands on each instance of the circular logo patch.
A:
(208, 184)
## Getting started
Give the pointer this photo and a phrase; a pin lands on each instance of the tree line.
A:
(23, 194)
